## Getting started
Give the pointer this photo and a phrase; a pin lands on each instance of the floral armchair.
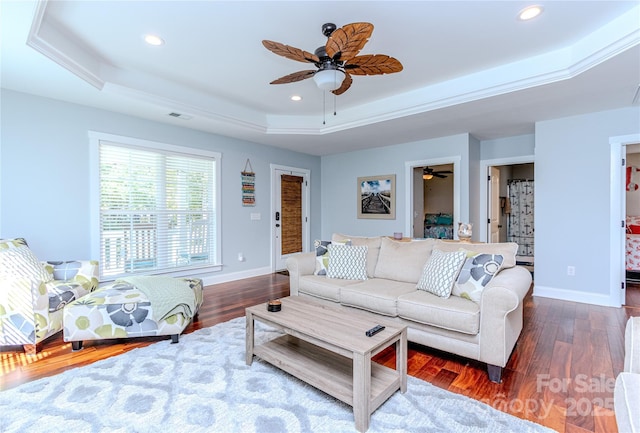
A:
(33, 294)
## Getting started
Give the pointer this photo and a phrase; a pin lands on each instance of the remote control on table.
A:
(373, 331)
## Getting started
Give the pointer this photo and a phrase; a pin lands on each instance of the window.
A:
(157, 207)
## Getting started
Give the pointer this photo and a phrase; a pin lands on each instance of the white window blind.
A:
(157, 210)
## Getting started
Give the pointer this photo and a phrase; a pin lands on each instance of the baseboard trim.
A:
(210, 279)
(571, 295)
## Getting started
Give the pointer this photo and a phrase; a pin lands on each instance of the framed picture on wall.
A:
(377, 197)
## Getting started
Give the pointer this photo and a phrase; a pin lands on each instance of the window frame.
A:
(95, 139)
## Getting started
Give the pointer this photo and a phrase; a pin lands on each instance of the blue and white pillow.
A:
(440, 272)
(322, 255)
(348, 262)
(478, 270)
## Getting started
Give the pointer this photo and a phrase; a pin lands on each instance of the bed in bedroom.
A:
(438, 225)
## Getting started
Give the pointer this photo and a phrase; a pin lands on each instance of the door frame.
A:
(306, 203)
(617, 210)
(409, 166)
(484, 187)
(492, 193)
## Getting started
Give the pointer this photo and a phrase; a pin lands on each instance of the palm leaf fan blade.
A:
(290, 52)
(346, 83)
(347, 41)
(292, 78)
(373, 64)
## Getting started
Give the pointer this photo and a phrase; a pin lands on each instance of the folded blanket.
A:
(167, 295)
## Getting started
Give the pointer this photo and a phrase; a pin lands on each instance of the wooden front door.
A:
(291, 229)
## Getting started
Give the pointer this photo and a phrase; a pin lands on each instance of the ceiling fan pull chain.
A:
(335, 103)
(324, 107)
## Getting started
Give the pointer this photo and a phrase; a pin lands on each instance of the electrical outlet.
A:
(571, 271)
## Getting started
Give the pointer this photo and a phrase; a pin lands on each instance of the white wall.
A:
(509, 147)
(339, 182)
(44, 175)
(572, 209)
(438, 193)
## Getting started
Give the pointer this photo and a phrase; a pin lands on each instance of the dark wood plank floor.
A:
(561, 373)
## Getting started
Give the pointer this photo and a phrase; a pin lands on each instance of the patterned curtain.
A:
(520, 222)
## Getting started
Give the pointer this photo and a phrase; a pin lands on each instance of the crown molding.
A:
(565, 63)
(45, 39)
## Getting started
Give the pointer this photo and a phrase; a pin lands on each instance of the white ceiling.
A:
(469, 66)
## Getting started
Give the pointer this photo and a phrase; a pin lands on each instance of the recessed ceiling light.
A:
(153, 40)
(296, 98)
(529, 12)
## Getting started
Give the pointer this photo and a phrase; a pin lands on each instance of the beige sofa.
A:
(626, 395)
(486, 330)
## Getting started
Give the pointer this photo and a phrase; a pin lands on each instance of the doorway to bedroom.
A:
(436, 196)
(632, 224)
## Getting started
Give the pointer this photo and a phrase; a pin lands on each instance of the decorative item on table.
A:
(465, 231)
(397, 235)
(274, 305)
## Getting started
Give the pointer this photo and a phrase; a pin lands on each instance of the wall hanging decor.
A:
(377, 197)
(248, 185)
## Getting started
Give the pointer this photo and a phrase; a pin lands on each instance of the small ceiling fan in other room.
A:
(338, 60)
(429, 173)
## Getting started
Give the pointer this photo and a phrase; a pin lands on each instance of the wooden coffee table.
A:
(326, 347)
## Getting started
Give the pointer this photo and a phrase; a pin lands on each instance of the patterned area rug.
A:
(202, 384)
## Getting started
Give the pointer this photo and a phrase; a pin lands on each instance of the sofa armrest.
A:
(626, 397)
(632, 345)
(83, 272)
(299, 265)
(501, 314)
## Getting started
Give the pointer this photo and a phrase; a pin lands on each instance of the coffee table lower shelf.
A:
(327, 371)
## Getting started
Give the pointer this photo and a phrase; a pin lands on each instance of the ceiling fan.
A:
(428, 173)
(338, 59)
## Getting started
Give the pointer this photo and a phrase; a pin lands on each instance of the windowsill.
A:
(186, 272)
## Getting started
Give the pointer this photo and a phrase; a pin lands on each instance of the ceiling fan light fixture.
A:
(329, 79)
(427, 176)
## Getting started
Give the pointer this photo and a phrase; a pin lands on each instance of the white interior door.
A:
(494, 204)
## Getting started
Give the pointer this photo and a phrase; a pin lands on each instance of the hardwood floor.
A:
(560, 375)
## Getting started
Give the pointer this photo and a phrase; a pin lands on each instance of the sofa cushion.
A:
(403, 261)
(323, 287)
(322, 255)
(347, 261)
(454, 313)
(372, 244)
(507, 250)
(376, 295)
(478, 270)
(440, 272)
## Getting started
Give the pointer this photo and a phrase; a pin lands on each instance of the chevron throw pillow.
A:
(347, 262)
(440, 272)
